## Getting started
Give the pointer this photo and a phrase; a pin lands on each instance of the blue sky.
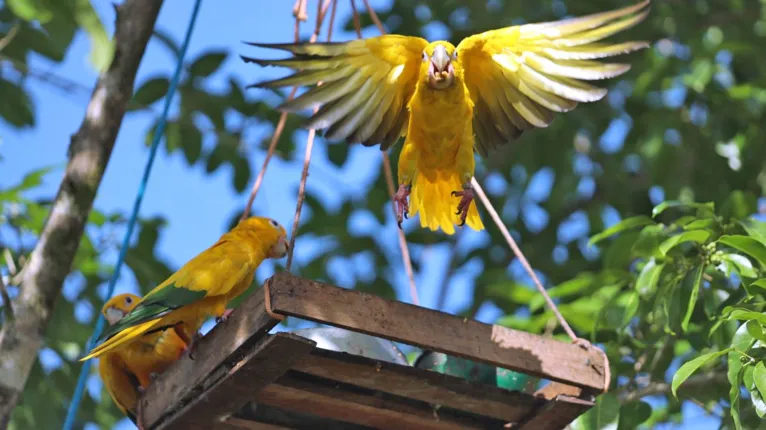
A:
(197, 205)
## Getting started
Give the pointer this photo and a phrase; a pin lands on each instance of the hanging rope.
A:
(387, 163)
(85, 371)
(321, 11)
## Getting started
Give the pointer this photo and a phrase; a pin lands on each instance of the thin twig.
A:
(280, 128)
(9, 261)
(7, 306)
(321, 10)
(8, 38)
(402, 240)
(387, 166)
(374, 17)
(520, 255)
(697, 382)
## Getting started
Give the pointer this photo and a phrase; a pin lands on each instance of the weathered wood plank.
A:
(499, 346)
(553, 389)
(419, 384)
(253, 425)
(261, 366)
(557, 414)
(182, 381)
(374, 410)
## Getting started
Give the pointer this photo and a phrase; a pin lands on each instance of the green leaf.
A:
(697, 236)
(741, 342)
(739, 205)
(742, 265)
(633, 414)
(746, 314)
(102, 47)
(605, 413)
(337, 153)
(755, 229)
(626, 224)
(761, 283)
(241, 173)
(759, 378)
(206, 64)
(688, 369)
(695, 277)
(31, 10)
(756, 330)
(165, 39)
(707, 208)
(758, 404)
(646, 283)
(191, 142)
(15, 105)
(151, 91)
(746, 244)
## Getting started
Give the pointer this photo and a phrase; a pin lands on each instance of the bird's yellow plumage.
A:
(202, 287)
(129, 369)
(449, 101)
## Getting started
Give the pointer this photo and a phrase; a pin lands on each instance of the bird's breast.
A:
(440, 122)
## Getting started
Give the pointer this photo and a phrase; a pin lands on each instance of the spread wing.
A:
(366, 85)
(520, 76)
(214, 272)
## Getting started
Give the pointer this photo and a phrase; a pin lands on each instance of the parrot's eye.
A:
(425, 56)
(274, 223)
(128, 300)
(454, 54)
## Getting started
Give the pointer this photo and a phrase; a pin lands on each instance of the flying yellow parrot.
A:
(129, 370)
(202, 287)
(450, 100)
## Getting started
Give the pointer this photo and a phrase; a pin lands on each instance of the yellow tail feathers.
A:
(432, 199)
(120, 339)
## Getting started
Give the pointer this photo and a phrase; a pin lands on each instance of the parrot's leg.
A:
(466, 197)
(191, 344)
(224, 316)
(139, 412)
(402, 207)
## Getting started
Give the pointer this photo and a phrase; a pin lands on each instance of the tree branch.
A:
(693, 383)
(89, 152)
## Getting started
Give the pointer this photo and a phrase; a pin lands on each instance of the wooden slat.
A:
(253, 425)
(291, 392)
(557, 414)
(293, 419)
(437, 331)
(419, 384)
(268, 360)
(553, 389)
(178, 385)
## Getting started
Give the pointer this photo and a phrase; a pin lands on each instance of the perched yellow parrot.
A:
(450, 100)
(202, 287)
(128, 370)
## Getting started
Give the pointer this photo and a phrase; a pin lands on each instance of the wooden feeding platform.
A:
(241, 377)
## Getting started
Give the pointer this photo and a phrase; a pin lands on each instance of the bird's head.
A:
(119, 306)
(439, 64)
(268, 232)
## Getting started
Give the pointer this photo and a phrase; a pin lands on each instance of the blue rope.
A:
(74, 405)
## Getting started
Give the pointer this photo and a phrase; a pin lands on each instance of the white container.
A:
(341, 340)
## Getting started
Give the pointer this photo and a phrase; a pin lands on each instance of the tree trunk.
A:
(89, 152)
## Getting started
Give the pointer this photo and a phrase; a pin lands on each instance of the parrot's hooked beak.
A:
(113, 315)
(441, 73)
(280, 249)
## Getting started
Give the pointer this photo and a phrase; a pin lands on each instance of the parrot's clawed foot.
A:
(139, 416)
(466, 197)
(582, 343)
(224, 316)
(191, 348)
(402, 207)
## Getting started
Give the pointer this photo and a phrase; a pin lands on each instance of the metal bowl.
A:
(341, 340)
